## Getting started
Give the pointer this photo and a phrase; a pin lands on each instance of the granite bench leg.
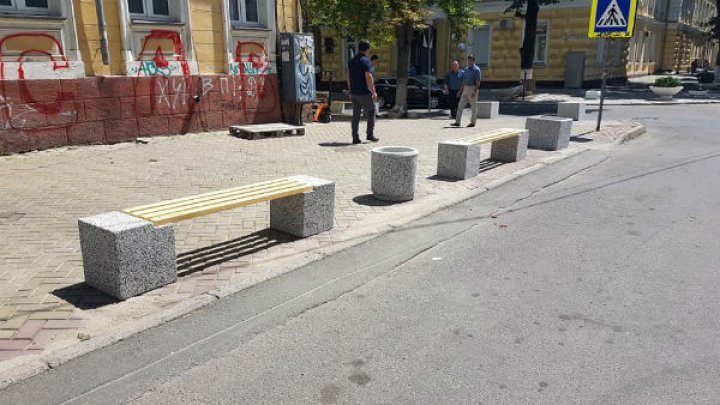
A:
(125, 256)
(572, 109)
(458, 160)
(549, 133)
(488, 109)
(511, 149)
(305, 214)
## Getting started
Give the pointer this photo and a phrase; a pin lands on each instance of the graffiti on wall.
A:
(160, 96)
(304, 68)
(162, 54)
(33, 55)
(249, 74)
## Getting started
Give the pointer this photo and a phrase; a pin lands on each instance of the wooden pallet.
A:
(266, 130)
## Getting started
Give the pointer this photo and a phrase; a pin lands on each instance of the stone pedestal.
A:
(125, 256)
(393, 173)
(572, 109)
(488, 109)
(511, 149)
(305, 214)
(548, 133)
(458, 159)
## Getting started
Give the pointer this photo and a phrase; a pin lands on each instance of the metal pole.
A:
(429, 68)
(103, 32)
(604, 84)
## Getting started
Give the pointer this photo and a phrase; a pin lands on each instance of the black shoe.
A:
(454, 124)
(356, 141)
(372, 139)
(470, 125)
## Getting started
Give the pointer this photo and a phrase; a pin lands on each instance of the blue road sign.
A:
(612, 18)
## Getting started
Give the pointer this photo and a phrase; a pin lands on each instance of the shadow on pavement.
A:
(370, 201)
(84, 297)
(213, 255)
(334, 144)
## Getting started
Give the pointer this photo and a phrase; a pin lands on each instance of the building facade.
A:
(175, 66)
(668, 37)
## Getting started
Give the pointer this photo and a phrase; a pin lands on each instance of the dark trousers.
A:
(453, 100)
(360, 103)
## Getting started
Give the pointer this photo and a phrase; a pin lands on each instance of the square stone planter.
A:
(488, 109)
(572, 109)
(548, 132)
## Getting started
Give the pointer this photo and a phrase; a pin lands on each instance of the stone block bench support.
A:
(572, 109)
(131, 252)
(460, 158)
(125, 256)
(548, 132)
(488, 109)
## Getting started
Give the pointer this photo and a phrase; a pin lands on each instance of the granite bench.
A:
(549, 132)
(131, 252)
(460, 158)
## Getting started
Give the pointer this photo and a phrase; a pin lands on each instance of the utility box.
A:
(297, 66)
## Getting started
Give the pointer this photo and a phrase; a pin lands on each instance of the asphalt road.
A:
(592, 281)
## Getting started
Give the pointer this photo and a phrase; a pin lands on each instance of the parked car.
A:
(417, 93)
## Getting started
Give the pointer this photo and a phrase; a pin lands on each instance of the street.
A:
(594, 280)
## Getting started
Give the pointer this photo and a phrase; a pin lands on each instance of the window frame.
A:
(150, 15)
(546, 52)
(241, 8)
(20, 7)
(474, 32)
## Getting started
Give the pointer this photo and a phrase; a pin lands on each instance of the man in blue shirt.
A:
(362, 92)
(453, 81)
(469, 92)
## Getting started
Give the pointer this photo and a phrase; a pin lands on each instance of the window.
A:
(150, 9)
(482, 39)
(541, 44)
(245, 11)
(28, 6)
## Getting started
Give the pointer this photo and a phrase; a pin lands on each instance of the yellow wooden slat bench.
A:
(130, 252)
(172, 211)
(460, 158)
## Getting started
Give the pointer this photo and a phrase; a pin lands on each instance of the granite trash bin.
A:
(393, 170)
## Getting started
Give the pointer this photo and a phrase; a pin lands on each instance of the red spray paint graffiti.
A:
(59, 61)
(253, 68)
(159, 65)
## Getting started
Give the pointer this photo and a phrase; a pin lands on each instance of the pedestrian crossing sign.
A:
(612, 18)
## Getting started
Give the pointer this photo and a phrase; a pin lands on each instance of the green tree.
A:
(386, 21)
(528, 10)
(714, 32)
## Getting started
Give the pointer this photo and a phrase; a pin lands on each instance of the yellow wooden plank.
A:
(210, 199)
(205, 210)
(248, 187)
(219, 201)
(492, 136)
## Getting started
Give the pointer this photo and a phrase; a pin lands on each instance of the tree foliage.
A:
(389, 21)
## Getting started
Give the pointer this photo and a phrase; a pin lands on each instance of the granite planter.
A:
(394, 170)
(666, 93)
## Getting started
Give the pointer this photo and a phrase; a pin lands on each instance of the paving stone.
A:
(42, 196)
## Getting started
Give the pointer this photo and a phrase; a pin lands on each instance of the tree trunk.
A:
(527, 52)
(717, 32)
(404, 39)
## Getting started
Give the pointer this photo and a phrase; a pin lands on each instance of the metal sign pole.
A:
(604, 83)
(429, 52)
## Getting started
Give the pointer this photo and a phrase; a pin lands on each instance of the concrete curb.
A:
(23, 368)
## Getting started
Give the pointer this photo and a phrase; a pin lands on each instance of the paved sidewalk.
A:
(43, 303)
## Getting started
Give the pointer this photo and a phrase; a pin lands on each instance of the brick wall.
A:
(41, 114)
